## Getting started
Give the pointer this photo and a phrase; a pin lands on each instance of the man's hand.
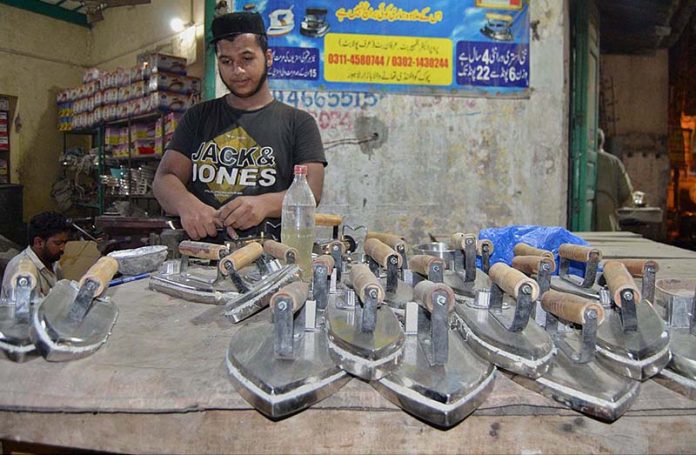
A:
(200, 220)
(244, 212)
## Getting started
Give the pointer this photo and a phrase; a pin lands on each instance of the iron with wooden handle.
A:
(280, 251)
(329, 220)
(428, 266)
(578, 253)
(460, 240)
(392, 240)
(438, 300)
(322, 267)
(524, 249)
(383, 255)
(231, 264)
(284, 304)
(620, 282)
(531, 265)
(92, 285)
(513, 281)
(636, 267)
(570, 307)
(370, 292)
(23, 282)
(203, 250)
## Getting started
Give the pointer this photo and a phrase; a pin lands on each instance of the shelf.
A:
(132, 196)
(138, 118)
(132, 158)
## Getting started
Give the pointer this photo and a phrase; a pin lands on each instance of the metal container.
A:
(140, 260)
(438, 249)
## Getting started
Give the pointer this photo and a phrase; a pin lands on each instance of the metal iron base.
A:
(439, 395)
(369, 356)
(528, 352)
(638, 354)
(58, 338)
(281, 387)
(588, 388)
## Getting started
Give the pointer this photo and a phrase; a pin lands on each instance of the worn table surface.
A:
(160, 385)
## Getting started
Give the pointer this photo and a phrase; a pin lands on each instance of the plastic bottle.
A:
(297, 221)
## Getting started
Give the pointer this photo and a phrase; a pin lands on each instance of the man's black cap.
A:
(232, 24)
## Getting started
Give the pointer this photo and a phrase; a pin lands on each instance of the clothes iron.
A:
(282, 22)
(207, 285)
(365, 338)
(633, 341)
(676, 300)
(395, 242)
(281, 364)
(575, 378)
(15, 314)
(540, 268)
(381, 256)
(499, 330)
(498, 27)
(440, 380)
(258, 297)
(314, 23)
(462, 275)
(72, 322)
(586, 285)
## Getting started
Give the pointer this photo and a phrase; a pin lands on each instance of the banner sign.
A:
(453, 47)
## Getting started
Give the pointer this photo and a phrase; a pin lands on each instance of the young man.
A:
(48, 233)
(231, 159)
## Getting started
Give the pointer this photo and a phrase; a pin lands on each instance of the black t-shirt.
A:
(236, 152)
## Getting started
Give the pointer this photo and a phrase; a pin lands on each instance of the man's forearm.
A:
(172, 194)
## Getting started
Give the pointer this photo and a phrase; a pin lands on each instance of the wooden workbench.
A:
(160, 385)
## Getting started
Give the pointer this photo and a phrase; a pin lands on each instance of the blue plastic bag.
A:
(545, 237)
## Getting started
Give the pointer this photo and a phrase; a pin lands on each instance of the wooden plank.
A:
(354, 431)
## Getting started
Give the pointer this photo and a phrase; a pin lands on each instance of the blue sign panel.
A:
(404, 46)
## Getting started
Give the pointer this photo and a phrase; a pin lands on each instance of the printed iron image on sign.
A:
(452, 47)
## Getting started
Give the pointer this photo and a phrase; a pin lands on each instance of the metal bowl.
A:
(438, 249)
(140, 260)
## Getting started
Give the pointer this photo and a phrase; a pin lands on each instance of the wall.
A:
(444, 164)
(35, 66)
(636, 89)
(128, 31)
(634, 113)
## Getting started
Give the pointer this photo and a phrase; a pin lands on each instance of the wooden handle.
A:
(326, 219)
(392, 240)
(511, 280)
(530, 265)
(241, 257)
(423, 294)
(458, 240)
(27, 269)
(279, 250)
(578, 252)
(325, 260)
(202, 250)
(297, 292)
(481, 243)
(381, 252)
(101, 272)
(570, 307)
(619, 279)
(636, 266)
(421, 263)
(362, 278)
(524, 249)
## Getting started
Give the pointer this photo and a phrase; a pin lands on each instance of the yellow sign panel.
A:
(379, 59)
(500, 4)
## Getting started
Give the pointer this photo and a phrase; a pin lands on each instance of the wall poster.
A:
(448, 47)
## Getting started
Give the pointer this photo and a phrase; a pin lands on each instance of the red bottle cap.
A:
(300, 169)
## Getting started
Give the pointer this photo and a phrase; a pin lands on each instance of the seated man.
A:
(613, 191)
(47, 233)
